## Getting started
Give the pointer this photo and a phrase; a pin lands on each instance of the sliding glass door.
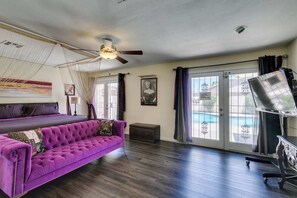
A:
(223, 113)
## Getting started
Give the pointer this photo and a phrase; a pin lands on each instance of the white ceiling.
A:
(166, 30)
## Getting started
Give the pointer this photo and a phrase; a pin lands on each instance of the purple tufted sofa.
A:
(68, 147)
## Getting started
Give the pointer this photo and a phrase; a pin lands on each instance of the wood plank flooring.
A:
(165, 169)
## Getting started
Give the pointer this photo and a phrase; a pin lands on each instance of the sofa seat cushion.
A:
(59, 157)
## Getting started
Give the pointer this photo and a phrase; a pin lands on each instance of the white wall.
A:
(292, 52)
(47, 74)
(163, 113)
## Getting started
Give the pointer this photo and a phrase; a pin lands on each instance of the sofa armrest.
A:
(119, 128)
(15, 165)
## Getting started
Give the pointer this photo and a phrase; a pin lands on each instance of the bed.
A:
(26, 116)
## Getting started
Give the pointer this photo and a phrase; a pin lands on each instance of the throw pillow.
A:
(32, 137)
(105, 128)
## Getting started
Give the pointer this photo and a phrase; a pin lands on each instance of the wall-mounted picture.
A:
(25, 88)
(149, 91)
(69, 89)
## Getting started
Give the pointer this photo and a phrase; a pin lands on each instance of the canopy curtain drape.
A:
(68, 107)
(21, 57)
(269, 125)
(121, 96)
(66, 78)
(182, 131)
(85, 84)
(84, 78)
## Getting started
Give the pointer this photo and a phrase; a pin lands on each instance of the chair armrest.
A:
(15, 165)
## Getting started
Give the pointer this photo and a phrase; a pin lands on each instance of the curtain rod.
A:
(147, 76)
(230, 63)
(110, 75)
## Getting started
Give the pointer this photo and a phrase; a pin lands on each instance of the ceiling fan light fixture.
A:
(108, 52)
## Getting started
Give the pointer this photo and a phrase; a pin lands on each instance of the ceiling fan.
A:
(109, 51)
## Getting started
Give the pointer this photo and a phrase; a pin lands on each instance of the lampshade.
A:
(75, 100)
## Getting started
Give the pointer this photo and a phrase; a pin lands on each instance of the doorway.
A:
(106, 99)
(222, 110)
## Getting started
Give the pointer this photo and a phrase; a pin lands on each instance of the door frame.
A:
(223, 142)
(219, 144)
(105, 82)
(228, 145)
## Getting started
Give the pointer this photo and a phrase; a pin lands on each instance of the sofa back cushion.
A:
(66, 134)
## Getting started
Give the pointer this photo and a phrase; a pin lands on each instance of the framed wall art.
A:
(69, 89)
(148, 91)
(25, 88)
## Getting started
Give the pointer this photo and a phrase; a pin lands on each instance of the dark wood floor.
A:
(165, 169)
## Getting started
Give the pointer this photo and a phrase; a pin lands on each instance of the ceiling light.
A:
(108, 52)
(240, 29)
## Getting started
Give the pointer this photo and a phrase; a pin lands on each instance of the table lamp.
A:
(75, 100)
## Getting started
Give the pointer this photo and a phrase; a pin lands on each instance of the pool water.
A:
(212, 118)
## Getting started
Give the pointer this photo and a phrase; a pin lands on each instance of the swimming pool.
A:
(213, 118)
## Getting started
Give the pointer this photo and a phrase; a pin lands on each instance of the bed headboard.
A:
(28, 109)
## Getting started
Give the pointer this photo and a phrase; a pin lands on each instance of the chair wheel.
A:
(265, 179)
(247, 163)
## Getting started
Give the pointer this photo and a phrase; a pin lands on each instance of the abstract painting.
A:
(25, 88)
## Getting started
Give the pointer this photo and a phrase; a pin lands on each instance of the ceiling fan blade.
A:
(121, 60)
(132, 52)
